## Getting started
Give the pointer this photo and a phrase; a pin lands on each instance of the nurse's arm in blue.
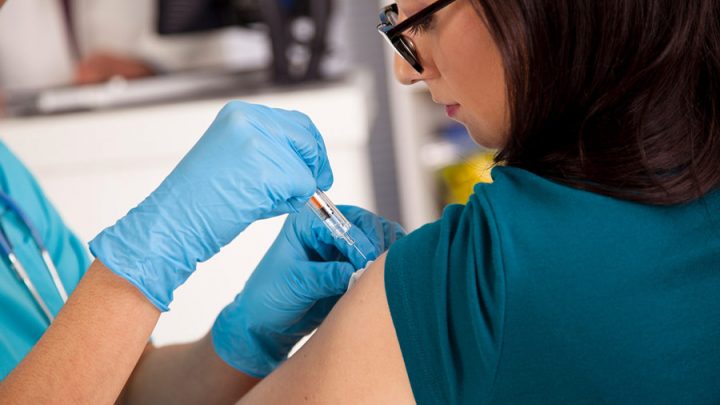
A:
(89, 352)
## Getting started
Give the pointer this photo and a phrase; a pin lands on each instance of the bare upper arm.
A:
(354, 357)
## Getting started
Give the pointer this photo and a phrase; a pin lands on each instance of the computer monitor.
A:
(276, 16)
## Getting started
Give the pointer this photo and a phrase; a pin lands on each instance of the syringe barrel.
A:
(328, 213)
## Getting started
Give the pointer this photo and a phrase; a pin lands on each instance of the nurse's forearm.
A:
(185, 374)
(88, 353)
(92, 348)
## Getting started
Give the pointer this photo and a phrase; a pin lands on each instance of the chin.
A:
(485, 138)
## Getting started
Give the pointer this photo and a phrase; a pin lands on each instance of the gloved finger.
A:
(297, 204)
(392, 232)
(372, 235)
(291, 194)
(321, 169)
(291, 205)
(331, 248)
(366, 232)
(314, 316)
(288, 142)
(308, 237)
(380, 231)
(362, 251)
(309, 145)
(322, 280)
(366, 221)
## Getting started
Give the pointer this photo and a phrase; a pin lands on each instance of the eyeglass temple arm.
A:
(417, 17)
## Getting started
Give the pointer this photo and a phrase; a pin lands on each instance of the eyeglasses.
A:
(392, 31)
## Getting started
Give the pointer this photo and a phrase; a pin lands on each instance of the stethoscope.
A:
(6, 249)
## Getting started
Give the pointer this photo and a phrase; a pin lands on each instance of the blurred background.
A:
(100, 98)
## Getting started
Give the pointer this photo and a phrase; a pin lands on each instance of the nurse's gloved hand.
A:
(294, 287)
(253, 162)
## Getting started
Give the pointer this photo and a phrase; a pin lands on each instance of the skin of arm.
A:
(87, 355)
(353, 358)
(188, 373)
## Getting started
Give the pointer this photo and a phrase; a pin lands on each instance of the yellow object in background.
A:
(459, 179)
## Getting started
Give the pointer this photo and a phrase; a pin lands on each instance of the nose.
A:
(404, 72)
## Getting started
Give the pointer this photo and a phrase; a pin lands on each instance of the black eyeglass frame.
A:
(393, 33)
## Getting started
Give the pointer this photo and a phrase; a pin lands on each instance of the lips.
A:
(451, 110)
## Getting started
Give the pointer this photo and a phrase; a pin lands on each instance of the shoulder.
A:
(446, 289)
(470, 229)
(480, 234)
(17, 182)
(13, 173)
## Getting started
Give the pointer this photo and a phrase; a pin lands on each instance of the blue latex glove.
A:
(294, 287)
(253, 162)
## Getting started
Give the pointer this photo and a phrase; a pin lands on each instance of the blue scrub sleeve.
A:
(68, 253)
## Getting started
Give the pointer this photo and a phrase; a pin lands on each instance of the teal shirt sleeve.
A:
(22, 324)
(539, 293)
(445, 289)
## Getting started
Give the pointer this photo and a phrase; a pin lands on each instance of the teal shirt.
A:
(21, 322)
(535, 292)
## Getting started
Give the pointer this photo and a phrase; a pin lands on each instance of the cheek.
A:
(487, 105)
(473, 70)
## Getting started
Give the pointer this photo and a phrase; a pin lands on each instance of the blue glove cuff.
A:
(149, 259)
(105, 249)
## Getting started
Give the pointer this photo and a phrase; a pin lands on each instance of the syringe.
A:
(333, 219)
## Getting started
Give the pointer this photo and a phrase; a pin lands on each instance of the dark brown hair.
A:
(619, 97)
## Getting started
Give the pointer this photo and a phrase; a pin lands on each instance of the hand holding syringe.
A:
(333, 219)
